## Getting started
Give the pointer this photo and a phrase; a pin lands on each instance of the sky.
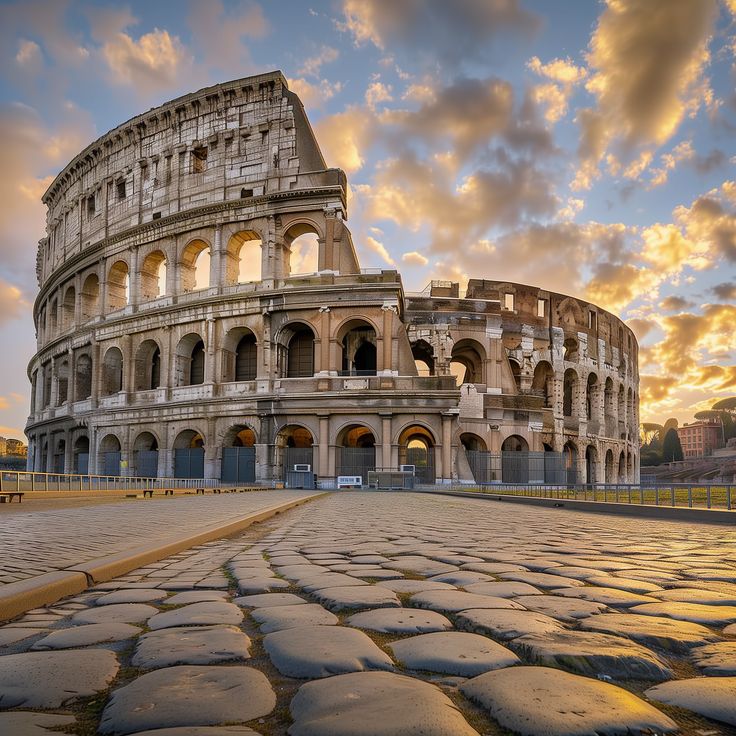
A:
(585, 147)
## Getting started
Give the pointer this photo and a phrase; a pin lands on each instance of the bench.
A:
(10, 495)
(148, 492)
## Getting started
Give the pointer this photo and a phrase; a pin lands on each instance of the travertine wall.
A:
(146, 352)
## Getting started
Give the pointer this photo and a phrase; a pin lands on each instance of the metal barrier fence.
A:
(11, 480)
(684, 495)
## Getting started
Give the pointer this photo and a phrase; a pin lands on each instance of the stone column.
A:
(134, 283)
(323, 469)
(211, 451)
(385, 459)
(54, 398)
(325, 366)
(385, 358)
(128, 365)
(96, 376)
(446, 448)
(216, 260)
(211, 348)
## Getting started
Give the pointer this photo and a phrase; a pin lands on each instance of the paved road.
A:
(382, 614)
(36, 542)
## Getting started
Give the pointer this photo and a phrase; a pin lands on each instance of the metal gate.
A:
(146, 463)
(520, 467)
(189, 463)
(111, 463)
(356, 461)
(423, 461)
(296, 456)
(484, 465)
(238, 464)
(82, 464)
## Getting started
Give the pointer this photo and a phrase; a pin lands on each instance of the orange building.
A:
(699, 439)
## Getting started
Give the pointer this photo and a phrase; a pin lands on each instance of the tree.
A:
(671, 447)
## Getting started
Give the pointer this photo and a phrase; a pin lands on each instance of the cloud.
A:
(12, 302)
(378, 92)
(314, 95)
(311, 66)
(647, 63)
(563, 76)
(377, 247)
(414, 258)
(345, 136)
(675, 304)
(435, 30)
(726, 291)
(641, 327)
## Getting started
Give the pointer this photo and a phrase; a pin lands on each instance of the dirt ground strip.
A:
(365, 613)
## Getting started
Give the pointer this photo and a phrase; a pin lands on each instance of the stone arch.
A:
(112, 371)
(145, 455)
(569, 392)
(189, 362)
(570, 452)
(239, 435)
(357, 338)
(591, 387)
(148, 366)
(570, 349)
(194, 265)
(543, 382)
(622, 467)
(356, 435)
(83, 377)
(417, 447)
(80, 455)
(608, 408)
(68, 309)
(244, 257)
(608, 467)
(473, 443)
(296, 350)
(238, 462)
(153, 275)
(62, 382)
(515, 443)
(423, 355)
(293, 446)
(516, 373)
(356, 451)
(90, 301)
(239, 355)
(571, 314)
(108, 453)
(189, 452)
(515, 459)
(467, 363)
(118, 286)
(302, 240)
(53, 318)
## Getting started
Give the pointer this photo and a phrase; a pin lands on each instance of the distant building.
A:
(700, 439)
(3, 446)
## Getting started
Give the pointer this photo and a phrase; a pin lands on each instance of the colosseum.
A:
(202, 314)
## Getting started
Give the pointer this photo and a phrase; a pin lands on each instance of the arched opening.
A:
(630, 406)
(148, 366)
(90, 302)
(609, 476)
(195, 266)
(358, 343)
(59, 454)
(41, 326)
(570, 347)
(481, 461)
(189, 455)
(246, 362)
(68, 308)
(112, 372)
(239, 455)
(44, 455)
(621, 413)
(591, 464)
(109, 455)
(467, 361)
(356, 452)
(609, 417)
(118, 286)
(244, 257)
(62, 382)
(53, 323)
(543, 382)
(47, 376)
(570, 451)
(423, 355)
(515, 460)
(145, 455)
(299, 359)
(516, 373)
(417, 448)
(630, 467)
(591, 389)
(190, 360)
(83, 386)
(302, 242)
(294, 450)
(80, 461)
(569, 392)
(153, 276)
(622, 467)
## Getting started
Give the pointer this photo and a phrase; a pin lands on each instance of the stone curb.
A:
(19, 597)
(674, 513)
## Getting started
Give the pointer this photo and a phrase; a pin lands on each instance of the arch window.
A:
(542, 382)
(294, 447)
(196, 375)
(118, 286)
(302, 241)
(109, 455)
(591, 462)
(516, 373)
(112, 372)
(90, 303)
(190, 361)
(145, 455)
(356, 452)
(300, 358)
(244, 254)
(423, 355)
(195, 266)
(570, 383)
(68, 308)
(62, 377)
(466, 363)
(80, 461)
(239, 455)
(189, 455)
(570, 349)
(246, 363)
(153, 275)
(417, 448)
(53, 318)
(359, 356)
(83, 379)
(148, 366)
(590, 391)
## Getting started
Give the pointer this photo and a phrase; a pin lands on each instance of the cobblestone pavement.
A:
(376, 614)
(37, 542)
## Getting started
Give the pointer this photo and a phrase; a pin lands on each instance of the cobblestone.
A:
(626, 651)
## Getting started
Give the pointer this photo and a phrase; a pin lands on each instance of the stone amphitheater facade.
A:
(176, 339)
